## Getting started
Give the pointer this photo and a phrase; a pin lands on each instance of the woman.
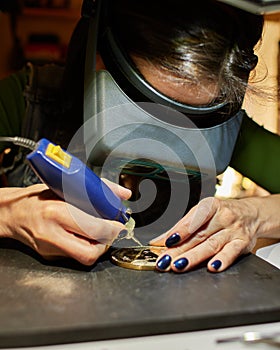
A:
(197, 55)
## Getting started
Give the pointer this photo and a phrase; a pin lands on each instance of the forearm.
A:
(20, 210)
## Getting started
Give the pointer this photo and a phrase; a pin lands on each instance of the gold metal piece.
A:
(137, 258)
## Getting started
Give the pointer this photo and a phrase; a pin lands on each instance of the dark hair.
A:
(200, 41)
(194, 41)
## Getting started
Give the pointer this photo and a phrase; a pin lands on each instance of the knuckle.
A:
(238, 245)
(229, 216)
(201, 235)
(87, 260)
(178, 250)
(214, 244)
(91, 255)
(50, 211)
(207, 202)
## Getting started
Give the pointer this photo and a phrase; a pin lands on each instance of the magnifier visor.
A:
(134, 85)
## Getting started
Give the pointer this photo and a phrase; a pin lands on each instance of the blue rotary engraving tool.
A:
(73, 181)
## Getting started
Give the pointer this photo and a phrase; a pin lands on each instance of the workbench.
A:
(61, 302)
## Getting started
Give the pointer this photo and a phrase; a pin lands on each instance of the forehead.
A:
(196, 93)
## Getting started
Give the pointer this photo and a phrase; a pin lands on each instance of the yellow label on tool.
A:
(56, 153)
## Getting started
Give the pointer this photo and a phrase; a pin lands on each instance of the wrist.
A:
(13, 210)
(7, 199)
(268, 218)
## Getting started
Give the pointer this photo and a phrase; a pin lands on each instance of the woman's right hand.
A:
(35, 216)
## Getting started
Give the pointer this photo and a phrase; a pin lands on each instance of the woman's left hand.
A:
(219, 230)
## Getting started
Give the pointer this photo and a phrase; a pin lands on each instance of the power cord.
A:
(20, 141)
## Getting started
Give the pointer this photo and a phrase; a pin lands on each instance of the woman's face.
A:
(192, 94)
(197, 94)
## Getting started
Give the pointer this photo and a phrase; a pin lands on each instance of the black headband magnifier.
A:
(124, 72)
(123, 108)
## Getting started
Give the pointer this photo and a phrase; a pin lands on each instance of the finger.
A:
(196, 219)
(165, 259)
(120, 191)
(202, 213)
(230, 252)
(34, 190)
(76, 221)
(182, 258)
(205, 233)
(65, 244)
(160, 240)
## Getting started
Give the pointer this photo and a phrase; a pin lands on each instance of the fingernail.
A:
(216, 264)
(181, 263)
(122, 234)
(164, 262)
(172, 240)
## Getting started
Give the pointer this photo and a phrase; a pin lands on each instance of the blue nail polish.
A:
(172, 240)
(164, 262)
(181, 263)
(216, 264)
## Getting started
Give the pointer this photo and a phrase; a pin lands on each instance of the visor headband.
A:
(121, 65)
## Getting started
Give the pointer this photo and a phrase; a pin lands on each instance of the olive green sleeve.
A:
(257, 155)
(12, 104)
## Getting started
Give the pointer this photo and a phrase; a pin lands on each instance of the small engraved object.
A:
(137, 258)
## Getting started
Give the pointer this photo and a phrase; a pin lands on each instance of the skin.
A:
(221, 230)
(53, 228)
(177, 89)
(215, 229)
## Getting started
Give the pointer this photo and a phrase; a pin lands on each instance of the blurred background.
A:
(35, 30)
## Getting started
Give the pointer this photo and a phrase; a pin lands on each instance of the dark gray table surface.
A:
(52, 303)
